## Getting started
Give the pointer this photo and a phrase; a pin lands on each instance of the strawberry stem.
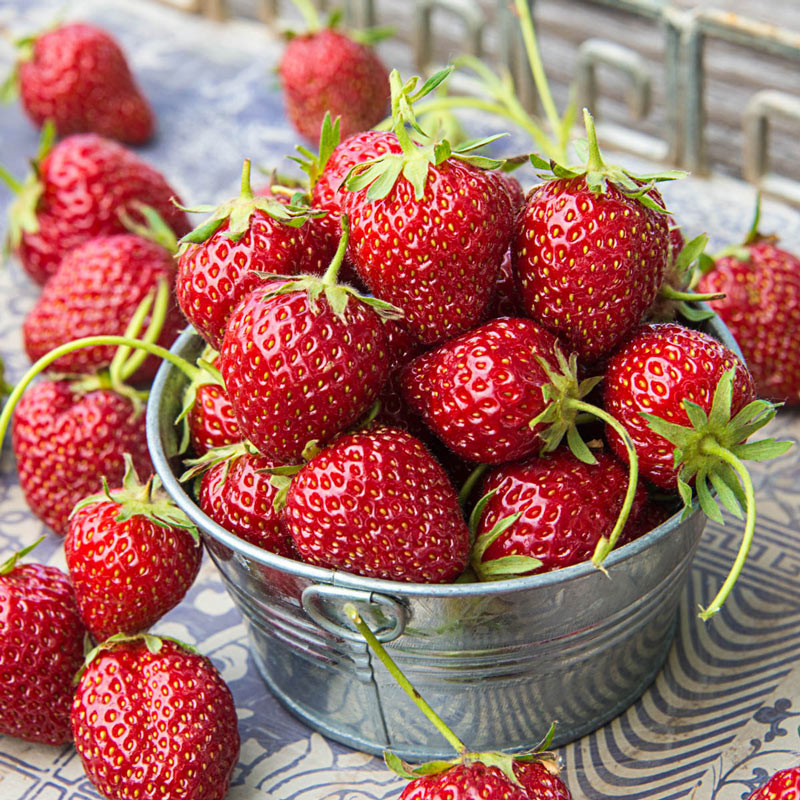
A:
(246, 189)
(469, 483)
(711, 447)
(329, 278)
(310, 15)
(595, 162)
(401, 679)
(9, 564)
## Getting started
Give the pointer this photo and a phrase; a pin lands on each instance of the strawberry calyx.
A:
(709, 453)
(238, 212)
(204, 374)
(227, 454)
(8, 566)
(153, 229)
(136, 499)
(9, 88)
(313, 164)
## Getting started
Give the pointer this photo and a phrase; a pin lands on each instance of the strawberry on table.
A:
(77, 76)
(153, 719)
(41, 649)
(132, 555)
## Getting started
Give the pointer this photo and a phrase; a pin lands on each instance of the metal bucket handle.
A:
(314, 596)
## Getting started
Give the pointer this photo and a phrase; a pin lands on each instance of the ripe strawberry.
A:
(154, 719)
(41, 649)
(132, 555)
(220, 260)
(96, 289)
(561, 509)
(591, 251)
(302, 360)
(327, 71)
(79, 190)
(376, 503)
(76, 75)
(783, 785)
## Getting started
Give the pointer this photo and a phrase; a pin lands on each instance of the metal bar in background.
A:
(469, 13)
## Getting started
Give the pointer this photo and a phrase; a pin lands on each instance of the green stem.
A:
(401, 679)
(752, 234)
(537, 67)
(595, 162)
(246, 190)
(9, 564)
(711, 447)
(329, 278)
(310, 15)
(670, 293)
(122, 367)
(469, 483)
(10, 180)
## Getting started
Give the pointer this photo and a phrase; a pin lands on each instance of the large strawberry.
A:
(220, 261)
(41, 649)
(132, 555)
(430, 226)
(302, 360)
(153, 719)
(689, 405)
(783, 785)
(591, 251)
(77, 76)
(376, 503)
(81, 189)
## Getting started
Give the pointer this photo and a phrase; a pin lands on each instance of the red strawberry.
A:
(41, 649)
(80, 190)
(563, 508)
(220, 260)
(132, 555)
(152, 719)
(783, 785)
(76, 75)
(591, 251)
(376, 503)
(66, 438)
(327, 71)
(96, 290)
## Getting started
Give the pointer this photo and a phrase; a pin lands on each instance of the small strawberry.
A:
(783, 785)
(302, 360)
(81, 189)
(376, 503)
(132, 555)
(328, 71)
(689, 405)
(41, 649)
(153, 719)
(220, 260)
(77, 76)
(591, 251)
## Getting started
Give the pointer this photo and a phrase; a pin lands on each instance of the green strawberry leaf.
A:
(706, 499)
(507, 566)
(726, 494)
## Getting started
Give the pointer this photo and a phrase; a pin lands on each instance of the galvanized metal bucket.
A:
(499, 661)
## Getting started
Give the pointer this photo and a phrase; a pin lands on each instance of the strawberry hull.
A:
(499, 661)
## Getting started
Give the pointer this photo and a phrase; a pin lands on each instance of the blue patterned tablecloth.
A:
(725, 710)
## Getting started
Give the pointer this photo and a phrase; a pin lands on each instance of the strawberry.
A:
(429, 226)
(559, 509)
(79, 190)
(783, 785)
(132, 555)
(96, 289)
(154, 719)
(689, 405)
(41, 649)
(77, 76)
(219, 261)
(591, 251)
(328, 71)
(376, 503)
(302, 360)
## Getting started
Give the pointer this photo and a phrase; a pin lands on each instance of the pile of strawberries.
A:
(413, 372)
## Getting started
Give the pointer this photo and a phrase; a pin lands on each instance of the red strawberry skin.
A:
(79, 77)
(327, 71)
(239, 497)
(783, 785)
(659, 367)
(476, 780)
(154, 725)
(589, 265)
(96, 290)
(437, 259)
(64, 442)
(479, 391)
(376, 503)
(212, 420)
(41, 650)
(761, 308)
(87, 180)
(566, 506)
(297, 372)
(127, 574)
